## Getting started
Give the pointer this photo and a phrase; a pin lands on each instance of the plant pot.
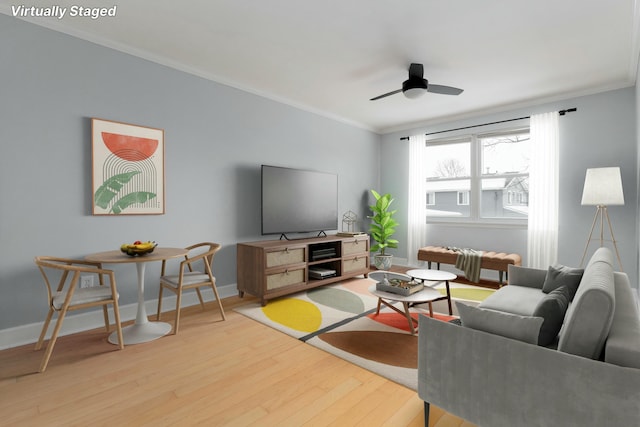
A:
(383, 262)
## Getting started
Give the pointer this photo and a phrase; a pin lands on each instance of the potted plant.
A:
(383, 226)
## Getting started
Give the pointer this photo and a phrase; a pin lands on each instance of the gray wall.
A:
(601, 133)
(216, 139)
(637, 235)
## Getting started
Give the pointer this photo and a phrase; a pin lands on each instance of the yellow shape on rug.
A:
(295, 314)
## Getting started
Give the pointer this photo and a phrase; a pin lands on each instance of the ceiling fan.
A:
(417, 85)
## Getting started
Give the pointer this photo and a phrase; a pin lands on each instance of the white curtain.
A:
(417, 206)
(542, 242)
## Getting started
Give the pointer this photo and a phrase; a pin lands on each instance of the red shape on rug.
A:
(399, 321)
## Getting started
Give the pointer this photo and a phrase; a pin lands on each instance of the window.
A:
(463, 197)
(482, 177)
(448, 174)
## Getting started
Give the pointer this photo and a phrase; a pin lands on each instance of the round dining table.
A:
(142, 330)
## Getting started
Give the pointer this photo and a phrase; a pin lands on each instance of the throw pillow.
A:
(552, 309)
(522, 328)
(559, 275)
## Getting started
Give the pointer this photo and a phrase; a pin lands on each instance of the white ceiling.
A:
(330, 57)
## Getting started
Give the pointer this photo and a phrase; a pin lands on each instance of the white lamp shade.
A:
(603, 186)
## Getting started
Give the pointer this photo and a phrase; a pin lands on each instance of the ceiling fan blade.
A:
(416, 71)
(386, 94)
(444, 90)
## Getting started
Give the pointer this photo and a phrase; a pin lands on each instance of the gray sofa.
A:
(503, 366)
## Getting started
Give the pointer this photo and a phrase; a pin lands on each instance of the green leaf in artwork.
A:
(131, 199)
(109, 189)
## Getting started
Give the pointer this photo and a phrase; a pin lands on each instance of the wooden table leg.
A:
(406, 313)
(448, 298)
(409, 318)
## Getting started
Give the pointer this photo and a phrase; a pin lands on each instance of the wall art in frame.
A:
(128, 169)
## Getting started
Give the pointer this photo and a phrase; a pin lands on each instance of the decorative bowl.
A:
(138, 249)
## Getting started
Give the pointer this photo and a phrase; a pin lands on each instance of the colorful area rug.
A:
(341, 320)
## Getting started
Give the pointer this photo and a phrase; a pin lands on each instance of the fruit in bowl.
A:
(138, 248)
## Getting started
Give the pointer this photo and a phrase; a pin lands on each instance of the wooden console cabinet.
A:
(272, 268)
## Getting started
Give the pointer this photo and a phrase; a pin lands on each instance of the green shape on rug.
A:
(469, 294)
(294, 313)
(337, 298)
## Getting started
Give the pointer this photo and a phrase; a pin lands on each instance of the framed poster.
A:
(128, 169)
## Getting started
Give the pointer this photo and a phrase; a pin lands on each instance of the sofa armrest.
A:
(494, 381)
(623, 343)
(525, 276)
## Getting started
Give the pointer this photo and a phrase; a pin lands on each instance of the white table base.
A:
(142, 330)
(139, 333)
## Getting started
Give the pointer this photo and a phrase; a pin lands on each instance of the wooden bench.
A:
(498, 261)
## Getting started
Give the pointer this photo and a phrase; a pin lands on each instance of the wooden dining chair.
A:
(67, 296)
(195, 272)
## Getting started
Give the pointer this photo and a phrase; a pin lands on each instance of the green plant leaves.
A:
(383, 224)
(131, 199)
(112, 186)
(109, 189)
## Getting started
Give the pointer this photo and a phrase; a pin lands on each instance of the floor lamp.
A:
(602, 188)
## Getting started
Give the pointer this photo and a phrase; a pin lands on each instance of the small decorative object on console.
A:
(398, 286)
(138, 248)
(349, 220)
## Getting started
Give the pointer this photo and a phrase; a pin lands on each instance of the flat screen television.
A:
(298, 201)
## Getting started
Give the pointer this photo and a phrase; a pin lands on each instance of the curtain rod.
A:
(561, 112)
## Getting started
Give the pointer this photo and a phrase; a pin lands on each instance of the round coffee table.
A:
(387, 298)
(437, 276)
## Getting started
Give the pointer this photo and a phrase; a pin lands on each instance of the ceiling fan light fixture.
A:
(416, 85)
(414, 93)
(414, 88)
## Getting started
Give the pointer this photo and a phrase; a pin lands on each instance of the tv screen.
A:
(298, 201)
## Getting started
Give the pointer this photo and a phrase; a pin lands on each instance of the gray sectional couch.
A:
(556, 347)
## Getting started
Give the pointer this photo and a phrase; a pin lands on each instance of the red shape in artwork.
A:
(131, 148)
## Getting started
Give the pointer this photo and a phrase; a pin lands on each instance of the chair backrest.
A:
(67, 272)
(204, 251)
(200, 254)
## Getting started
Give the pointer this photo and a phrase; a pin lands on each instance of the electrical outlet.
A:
(86, 281)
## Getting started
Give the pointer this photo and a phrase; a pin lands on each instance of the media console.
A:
(269, 269)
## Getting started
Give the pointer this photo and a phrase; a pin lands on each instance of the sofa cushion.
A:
(560, 275)
(589, 318)
(552, 309)
(526, 276)
(522, 328)
(514, 299)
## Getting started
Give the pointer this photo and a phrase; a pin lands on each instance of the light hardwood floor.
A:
(214, 373)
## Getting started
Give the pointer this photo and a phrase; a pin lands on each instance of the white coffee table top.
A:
(431, 275)
(425, 295)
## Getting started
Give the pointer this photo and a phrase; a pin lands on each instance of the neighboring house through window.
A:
(479, 177)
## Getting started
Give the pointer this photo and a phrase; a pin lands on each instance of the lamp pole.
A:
(601, 212)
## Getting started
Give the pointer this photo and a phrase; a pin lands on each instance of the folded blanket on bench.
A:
(469, 261)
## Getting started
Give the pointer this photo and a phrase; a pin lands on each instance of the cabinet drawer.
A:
(285, 257)
(285, 278)
(357, 263)
(354, 247)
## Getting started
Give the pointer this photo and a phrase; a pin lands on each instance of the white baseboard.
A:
(28, 334)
